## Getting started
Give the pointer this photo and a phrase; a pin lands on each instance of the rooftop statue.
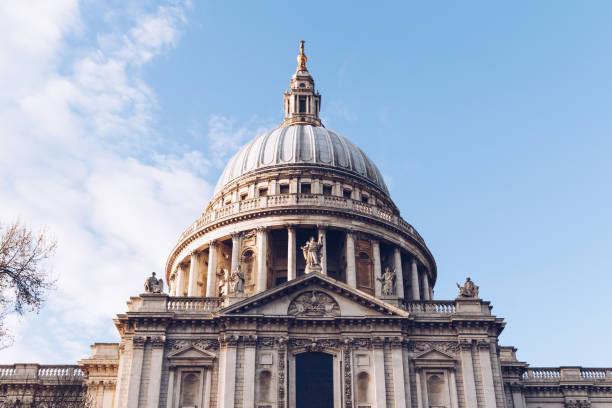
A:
(312, 255)
(387, 278)
(154, 285)
(468, 290)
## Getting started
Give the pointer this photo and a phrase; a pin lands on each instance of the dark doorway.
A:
(314, 380)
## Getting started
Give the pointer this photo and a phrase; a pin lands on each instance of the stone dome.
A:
(306, 145)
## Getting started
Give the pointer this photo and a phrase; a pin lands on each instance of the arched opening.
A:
(436, 391)
(314, 380)
(248, 268)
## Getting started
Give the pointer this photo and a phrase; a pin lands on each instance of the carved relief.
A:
(314, 303)
(448, 347)
(314, 344)
(282, 348)
(202, 344)
(348, 376)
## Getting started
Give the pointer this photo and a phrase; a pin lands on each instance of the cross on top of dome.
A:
(301, 102)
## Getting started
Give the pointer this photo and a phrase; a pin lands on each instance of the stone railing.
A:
(194, 304)
(41, 372)
(567, 373)
(430, 307)
(543, 373)
(297, 200)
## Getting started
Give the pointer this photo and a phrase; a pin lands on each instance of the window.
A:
(284, 189)
(346, 193)
(243, 196)
(327, 190)
(190, 389)
(302, 104)
(364, 199)
(302, 84)
(263, 192)
(306, 188)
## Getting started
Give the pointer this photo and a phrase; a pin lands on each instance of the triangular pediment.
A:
(190, 352)
(434, 354)
(313, 296)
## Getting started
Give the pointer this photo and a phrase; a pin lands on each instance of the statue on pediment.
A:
(154, 285)
(468, 290)
(312, 255)
(387, 279)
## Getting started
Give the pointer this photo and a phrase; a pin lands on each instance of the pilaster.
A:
(157, 351)
(379, 373)
(467, 371)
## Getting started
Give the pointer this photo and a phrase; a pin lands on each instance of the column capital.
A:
(194, 253)
(236, 235)
(290, 227)
(322, 227)
(483, 344)
(261, 229)
(213, 244)
(378, 342)
(138, 342)
(465, 344)
(158, 342)
(350, 231)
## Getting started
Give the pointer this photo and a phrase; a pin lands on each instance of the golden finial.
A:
(302, 58)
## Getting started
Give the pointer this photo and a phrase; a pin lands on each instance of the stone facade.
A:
(301, 282)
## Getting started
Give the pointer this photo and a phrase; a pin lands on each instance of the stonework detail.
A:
(314, 303)
(348, 376)
(448, 347)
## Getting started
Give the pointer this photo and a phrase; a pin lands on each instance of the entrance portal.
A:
(314, 380)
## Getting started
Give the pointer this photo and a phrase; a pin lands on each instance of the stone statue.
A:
(237, 281)
(387, 279)
(154, 285)
(222, 282)
(469, 289)
(312, 255)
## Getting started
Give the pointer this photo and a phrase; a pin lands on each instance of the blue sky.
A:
(490, 122)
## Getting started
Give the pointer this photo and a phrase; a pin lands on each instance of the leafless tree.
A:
(24, 280)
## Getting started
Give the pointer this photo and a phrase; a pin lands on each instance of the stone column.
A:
(377, 268)
(180, 279)
(322, 230)
(262, 261)
(399, 390)
(467, 371)
(487, 373)
(249, 373)
(227, 375)
(235, 251)
(135, 371)
(399, 274)
(379, 374)
(170, 391)
(291, 245)
(156, 371)
(211, 278)
(351, 273)
(414, 274)
(425, 279)
(518, 399)
(453, 390)
(194, 273)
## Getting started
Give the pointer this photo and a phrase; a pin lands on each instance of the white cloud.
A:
(79, 156)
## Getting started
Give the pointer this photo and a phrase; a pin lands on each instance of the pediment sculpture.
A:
(314, 303)
(154, 285)
(468, 290)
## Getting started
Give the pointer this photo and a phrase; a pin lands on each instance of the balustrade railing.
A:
(59, 371)
(596, 373)
(543, 373)
(194, 304)
(42, 372)
(282, 200)
(430, 307)
(7, 371)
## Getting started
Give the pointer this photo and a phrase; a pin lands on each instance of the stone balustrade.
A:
(299, 200)
(194, 304)
(566, 373)
(430, 307)
(41, 372)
